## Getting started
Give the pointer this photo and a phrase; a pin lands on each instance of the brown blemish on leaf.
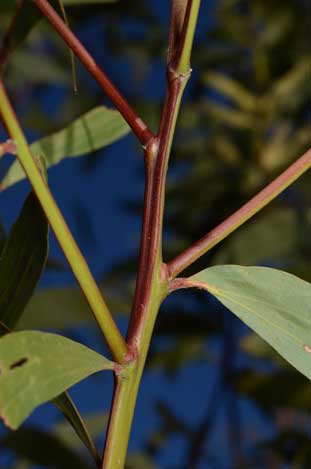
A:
(19, 363)
(6, 422)
(307, 348)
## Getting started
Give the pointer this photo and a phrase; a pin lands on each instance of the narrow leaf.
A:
(273, 303)
(231, 89)
(67, 407)
(94, 130)
(22, 261)
(36, 367)
(26, 17)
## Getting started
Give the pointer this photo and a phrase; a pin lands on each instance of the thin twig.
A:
(139, 128)
(201, 247)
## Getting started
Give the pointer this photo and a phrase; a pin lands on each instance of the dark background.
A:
(213, 395)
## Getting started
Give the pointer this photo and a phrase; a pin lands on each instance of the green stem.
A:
(152, 280)
(127, 381)
(190, 22)
(254, 205)
(75, 259)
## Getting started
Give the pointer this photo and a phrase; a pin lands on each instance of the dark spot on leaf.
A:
(307, 348)
(19, 363)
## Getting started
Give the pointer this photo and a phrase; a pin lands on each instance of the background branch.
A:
(201, 247)
(139, 128)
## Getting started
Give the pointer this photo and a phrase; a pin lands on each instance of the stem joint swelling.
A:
(174, 74)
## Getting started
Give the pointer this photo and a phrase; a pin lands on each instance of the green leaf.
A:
(69, 308)
(22, 261)
(273, 303)
(232, 89)
(96, 423)
(94, 130)
(36, 367)
(24, 22)
(65, 404)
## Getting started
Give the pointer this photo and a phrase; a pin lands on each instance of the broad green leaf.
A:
(66, 405)
(42, 449)
(273, 303)
(22, 261)
(94, 130)
(36, 367)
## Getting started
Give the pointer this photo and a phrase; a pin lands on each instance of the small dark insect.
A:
(19, 363)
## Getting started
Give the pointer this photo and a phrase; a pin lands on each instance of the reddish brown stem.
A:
(198, 249)
(156, 156)
(139, 128)
(152, 280)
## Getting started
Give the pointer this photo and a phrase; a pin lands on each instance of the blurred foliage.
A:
(246, 116)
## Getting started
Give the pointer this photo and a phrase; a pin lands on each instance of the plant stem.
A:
(76, 261)
(152, 279)
(203, 245)
(139, 128)
(190, 22)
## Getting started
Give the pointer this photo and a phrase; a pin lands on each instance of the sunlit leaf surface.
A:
(36, 367)
(273, 303)
(94, 130)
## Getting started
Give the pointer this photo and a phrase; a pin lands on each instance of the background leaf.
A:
(69, 305)
(36, 367)
(41, 448)
(94, 130)
(65, 404)
(22, 261)
(273, 303)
